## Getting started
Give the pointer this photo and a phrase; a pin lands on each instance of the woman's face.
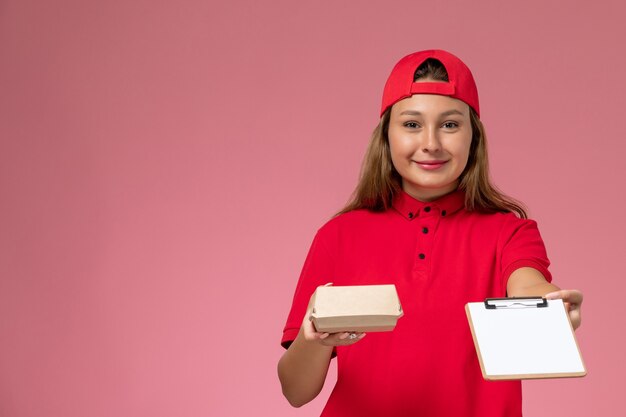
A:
(429, 138)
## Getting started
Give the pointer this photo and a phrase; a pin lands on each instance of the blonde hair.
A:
(379, 181)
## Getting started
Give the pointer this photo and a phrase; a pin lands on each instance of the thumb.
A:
(553, 295)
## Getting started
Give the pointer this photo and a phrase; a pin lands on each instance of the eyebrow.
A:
(416, 113)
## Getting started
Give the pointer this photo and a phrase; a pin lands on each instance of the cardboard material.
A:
(356, 308)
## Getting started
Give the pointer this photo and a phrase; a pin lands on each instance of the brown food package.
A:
(356, 308)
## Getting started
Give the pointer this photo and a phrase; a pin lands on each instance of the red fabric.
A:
(428, 365)
(445, 89)
(400, 84)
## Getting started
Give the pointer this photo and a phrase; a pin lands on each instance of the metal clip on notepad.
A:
(515, 302)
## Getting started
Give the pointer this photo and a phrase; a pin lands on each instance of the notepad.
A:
(524, 338)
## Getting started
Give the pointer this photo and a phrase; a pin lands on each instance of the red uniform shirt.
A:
(440, 257)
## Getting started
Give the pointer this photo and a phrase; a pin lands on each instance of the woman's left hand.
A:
(572, 299)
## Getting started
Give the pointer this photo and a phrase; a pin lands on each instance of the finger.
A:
(572, 296)
(553, 295)
(343, 339)
(353, 337)
(350, 338)
(575, 297)
(575, 318)
(311, 336)
(310, 332)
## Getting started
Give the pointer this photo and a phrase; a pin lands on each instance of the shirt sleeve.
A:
(317, 270)
(522, 246)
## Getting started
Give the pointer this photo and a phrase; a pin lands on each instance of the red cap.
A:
(400, 83)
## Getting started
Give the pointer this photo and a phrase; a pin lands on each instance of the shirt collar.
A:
(411, 208)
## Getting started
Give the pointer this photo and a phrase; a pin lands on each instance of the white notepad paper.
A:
(518, 341)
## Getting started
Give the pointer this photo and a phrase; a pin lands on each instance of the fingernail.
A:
(343, 336)
(362, 335)
(323, 335)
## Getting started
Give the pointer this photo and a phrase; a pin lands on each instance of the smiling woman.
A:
(380, 179)
(426, 218)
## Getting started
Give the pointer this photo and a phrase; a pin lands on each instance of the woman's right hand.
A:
(327, 339)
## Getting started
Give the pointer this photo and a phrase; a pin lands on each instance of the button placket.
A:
(427, 223)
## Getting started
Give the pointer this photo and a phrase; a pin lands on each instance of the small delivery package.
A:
(355, 308)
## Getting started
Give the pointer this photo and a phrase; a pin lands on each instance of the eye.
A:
(450, 125)
(411, 125)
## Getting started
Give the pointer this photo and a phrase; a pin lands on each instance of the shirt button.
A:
(443, 212)
(422, 256)
(410, 215)
(425, 230)
(427, 209)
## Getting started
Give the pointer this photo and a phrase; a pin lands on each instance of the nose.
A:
(430, 140)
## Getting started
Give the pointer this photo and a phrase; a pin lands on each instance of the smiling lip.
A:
(430, 164)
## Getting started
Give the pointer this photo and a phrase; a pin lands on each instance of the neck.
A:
(428, 194)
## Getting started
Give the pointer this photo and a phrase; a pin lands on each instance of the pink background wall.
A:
(164, 166)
